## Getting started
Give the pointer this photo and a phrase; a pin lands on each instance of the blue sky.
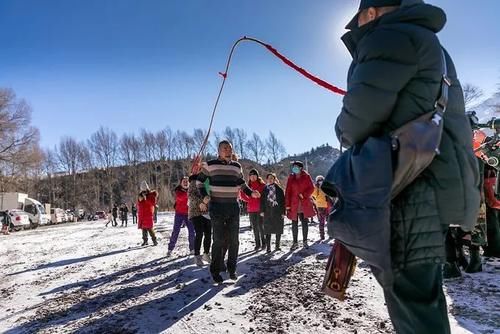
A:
(132, 64)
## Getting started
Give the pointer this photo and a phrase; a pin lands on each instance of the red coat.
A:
(300, 184)
(146, 210)
(253, 203)
(489, 192)
(181, 201)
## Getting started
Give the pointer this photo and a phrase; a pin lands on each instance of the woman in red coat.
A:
(145, 209)
(255, 182)
(299, 189)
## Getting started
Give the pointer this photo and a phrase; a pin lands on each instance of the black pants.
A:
(134, 219)
(225, 224)
(268, 241)
(203, 229)
(151, 233)
(295, 228)
(124, 220)
(115, 223)
(257, 223)
(492, 232)
(416, 302)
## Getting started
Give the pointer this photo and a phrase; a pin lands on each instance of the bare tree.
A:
(71, 156)
(130, 150)
(230, 135)
(186, 145)
(163, 145)
(147, 140)
(103, 145)
(471, 94)
(256, 147)
(171, 149)
(18, 138)
(240, 142)
(199, 138)
(275, 149)
(20, 155)
(213, 147)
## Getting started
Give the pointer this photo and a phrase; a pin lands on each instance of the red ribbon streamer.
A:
(288, 62)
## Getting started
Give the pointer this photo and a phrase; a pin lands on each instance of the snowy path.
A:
(86, 278)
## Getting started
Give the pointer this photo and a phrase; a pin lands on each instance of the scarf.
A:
(271, 196)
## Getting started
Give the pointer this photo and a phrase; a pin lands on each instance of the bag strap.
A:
(442, 101)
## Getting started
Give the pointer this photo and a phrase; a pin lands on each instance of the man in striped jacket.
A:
(225, 178)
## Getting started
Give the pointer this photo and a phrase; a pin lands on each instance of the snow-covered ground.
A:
(88, 278)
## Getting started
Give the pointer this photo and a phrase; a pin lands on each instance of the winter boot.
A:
(198, 260)
(217, 278)
(268, 243)
(144, 243)
(295, 245)
(306, 245)
(461, 259)
(278, 239)
(475, 265)
(451, 270)
(206, 257)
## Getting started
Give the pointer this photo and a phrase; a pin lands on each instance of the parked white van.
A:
(20, 201)
(57, 215)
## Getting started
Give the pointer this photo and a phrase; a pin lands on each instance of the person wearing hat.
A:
(272, 208)
(321, 201)
(146, 206)
(255, 182)
(394, 78)
(225, 178)
(299, 189)
(181, 217)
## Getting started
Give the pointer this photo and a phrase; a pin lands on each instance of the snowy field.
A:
(86, 278)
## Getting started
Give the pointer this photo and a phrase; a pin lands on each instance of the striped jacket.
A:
(225, 179)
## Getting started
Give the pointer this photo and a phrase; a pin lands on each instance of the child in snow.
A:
(145, 206)
(181, 216)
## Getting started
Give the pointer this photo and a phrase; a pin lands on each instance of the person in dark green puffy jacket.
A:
(394, 78)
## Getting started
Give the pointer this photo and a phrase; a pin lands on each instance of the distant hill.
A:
(316, 161)
(488, 108)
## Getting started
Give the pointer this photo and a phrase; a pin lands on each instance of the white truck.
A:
(32, 207)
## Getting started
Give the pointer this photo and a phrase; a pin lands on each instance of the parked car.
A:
(81, 214)
(19, 219)
(70, 216)
(57, 215)
(100, 215)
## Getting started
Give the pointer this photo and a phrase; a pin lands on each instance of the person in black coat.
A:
(124, 214)
(272, 209)
(114, 212)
